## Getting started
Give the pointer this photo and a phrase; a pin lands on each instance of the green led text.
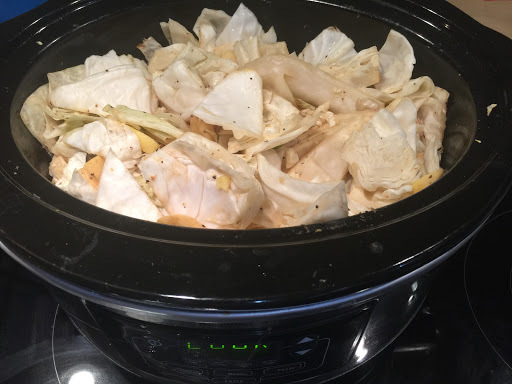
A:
(236, 347)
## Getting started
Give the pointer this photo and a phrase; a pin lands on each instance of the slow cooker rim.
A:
(434, 189)
(212, 315)
(211, 237)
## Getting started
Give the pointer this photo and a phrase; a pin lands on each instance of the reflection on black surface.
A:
(77, 362)
(488, 267)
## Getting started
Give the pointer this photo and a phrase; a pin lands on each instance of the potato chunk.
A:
(180, 220)
(204, 129)
(425, 181)
(147, 144)
(92, 170)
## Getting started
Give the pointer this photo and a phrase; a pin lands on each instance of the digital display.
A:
(229, 349)
(243, 356)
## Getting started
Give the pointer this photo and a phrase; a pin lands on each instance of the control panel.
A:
(237, 356)
(232, 359)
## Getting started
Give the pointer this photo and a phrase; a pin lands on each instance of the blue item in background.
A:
(13, 8)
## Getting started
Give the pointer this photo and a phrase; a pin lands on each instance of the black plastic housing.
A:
(73, 242)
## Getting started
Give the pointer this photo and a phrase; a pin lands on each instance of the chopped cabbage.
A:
(119, 192)
(331, 46)
(379, 155)
(81, 189)
(184, 176)
(239, 91)
(224, 128)
(37, 122)
(292, 202)
(287, 76)
(163, 57)
(180, 87)
(151, 122)
(103, 80)
(77, 161)
(323, 163)
(242, 25)
(209, 26)
(361, 70)
(432, 117)
(148, 47)
(99, 137)
(178, 33)
(396, 62)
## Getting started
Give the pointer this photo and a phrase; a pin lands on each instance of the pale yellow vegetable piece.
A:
(202, 128)
(180, 220)
(427, 180)
(147, 144)
(490, 108)
(92, 170)
(57, 166)
(223, 182)
(226, 52)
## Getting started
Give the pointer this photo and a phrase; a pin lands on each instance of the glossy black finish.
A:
(488, 274)
(314, 348)
(442, 344)
(201, 269)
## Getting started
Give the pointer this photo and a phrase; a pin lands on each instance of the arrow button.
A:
(306, 340)
(302, 353)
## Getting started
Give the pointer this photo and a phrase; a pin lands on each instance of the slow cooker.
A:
(296, 305)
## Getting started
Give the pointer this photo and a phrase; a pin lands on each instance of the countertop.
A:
(495, 14)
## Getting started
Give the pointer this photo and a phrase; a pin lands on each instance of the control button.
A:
(185, 371)
(302, 346)
(233, 373)
(234, 380)
(284, 369)
(183, 376)
(306, 340)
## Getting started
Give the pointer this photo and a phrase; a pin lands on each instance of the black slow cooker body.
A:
(162, 300)
(314, 346)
